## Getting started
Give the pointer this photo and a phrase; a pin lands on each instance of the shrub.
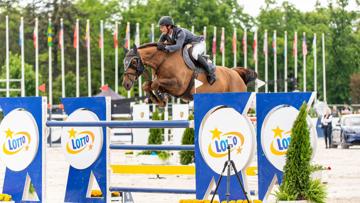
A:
(156, 136)
(316, 192)
(187, 157)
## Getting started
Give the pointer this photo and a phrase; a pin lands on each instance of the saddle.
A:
(190, 62)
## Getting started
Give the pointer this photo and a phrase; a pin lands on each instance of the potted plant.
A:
(297, 186)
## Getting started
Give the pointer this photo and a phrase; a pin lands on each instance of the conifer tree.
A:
(296, 180)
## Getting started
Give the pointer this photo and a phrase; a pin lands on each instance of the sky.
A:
(252, 7)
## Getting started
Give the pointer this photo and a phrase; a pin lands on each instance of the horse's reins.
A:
(141, 68)
(147, 76)
(159, 65)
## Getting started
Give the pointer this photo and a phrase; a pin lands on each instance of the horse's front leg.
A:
(147, 89)
(164, 84)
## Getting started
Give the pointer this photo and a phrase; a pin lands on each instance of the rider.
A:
(178, 38)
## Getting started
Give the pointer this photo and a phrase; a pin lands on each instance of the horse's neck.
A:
(152, 57)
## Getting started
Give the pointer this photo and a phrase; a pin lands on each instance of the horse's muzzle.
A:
(127, 85)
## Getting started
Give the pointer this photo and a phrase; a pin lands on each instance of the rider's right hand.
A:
(161, 47)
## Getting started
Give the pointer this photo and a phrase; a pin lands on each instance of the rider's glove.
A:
(161, 47)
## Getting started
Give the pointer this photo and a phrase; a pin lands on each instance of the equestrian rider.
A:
(178, 37)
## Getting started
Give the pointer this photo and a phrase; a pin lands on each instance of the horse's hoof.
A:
(166, 98)
(147, 101)
(162, 104)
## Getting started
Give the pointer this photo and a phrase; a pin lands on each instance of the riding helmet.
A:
(166, 20)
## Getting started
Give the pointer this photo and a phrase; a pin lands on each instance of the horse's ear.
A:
(126, 50)
(135, 48)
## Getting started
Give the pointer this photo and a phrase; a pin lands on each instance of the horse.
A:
(172, 76)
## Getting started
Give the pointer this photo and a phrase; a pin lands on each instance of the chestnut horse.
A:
(172, 76)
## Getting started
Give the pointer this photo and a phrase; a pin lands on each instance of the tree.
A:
(342, 51)
(15, 73)
(296, 184)
(70, 86)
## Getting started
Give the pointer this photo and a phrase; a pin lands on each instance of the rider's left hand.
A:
(161, 47)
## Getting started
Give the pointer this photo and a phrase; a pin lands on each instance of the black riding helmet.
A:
(166, 20)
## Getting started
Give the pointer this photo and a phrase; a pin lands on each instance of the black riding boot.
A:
(210, 69)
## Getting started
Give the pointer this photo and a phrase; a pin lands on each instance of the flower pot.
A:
(294, 201)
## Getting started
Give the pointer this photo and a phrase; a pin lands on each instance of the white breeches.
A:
(198, 49)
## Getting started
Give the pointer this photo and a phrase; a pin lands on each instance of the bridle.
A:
(139, 67)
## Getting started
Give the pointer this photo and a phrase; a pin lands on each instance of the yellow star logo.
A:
(26, 148)
(239, 150)
(90, 147)
(72, 133)
(277, 132)
(215, 133)
(9, 133)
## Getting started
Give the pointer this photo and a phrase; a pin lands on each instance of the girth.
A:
(187, 92)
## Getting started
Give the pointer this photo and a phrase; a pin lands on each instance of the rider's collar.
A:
(170, 31)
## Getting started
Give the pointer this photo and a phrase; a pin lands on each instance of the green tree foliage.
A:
(15, 73)
(343, 50)
(187, 157)
(70, 78)
(287, 18)
(296, 184)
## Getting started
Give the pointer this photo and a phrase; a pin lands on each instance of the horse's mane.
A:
(151, 44)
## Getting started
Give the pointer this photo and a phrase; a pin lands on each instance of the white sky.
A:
(252, 7)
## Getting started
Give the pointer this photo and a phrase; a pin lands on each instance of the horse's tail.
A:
(246, 74)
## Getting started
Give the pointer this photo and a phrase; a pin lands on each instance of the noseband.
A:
(139, 68)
